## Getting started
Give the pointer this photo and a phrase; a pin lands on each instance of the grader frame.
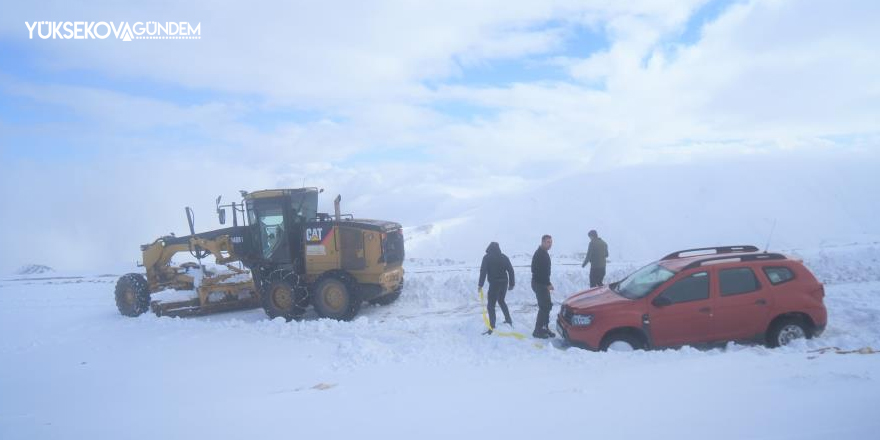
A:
(215, 292)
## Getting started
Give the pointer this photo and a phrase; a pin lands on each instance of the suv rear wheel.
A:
(786, 330)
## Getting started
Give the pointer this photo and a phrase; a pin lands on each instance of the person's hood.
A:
(493, 248)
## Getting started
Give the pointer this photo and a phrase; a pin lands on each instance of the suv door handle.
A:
(705, 310)
(761, 302)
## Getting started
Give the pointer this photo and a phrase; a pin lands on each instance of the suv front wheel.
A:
(622, 341)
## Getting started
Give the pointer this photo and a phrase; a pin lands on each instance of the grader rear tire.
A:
(335, 298)
(132, 294)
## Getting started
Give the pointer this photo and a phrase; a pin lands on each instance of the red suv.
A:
(699, 296)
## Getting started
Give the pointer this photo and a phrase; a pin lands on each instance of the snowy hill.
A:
(644, 212)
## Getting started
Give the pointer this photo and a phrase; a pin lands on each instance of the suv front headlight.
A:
(581, 320)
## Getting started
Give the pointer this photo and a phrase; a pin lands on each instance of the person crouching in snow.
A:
(497, 268)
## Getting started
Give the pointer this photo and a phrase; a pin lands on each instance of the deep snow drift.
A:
(72, 367)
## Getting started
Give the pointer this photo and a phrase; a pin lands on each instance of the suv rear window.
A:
(738, 280)
(778, 275)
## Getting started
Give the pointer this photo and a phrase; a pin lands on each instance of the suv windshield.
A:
(642, 281)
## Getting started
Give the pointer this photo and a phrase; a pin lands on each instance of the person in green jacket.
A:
(597, 254)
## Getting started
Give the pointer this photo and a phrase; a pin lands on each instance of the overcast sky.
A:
(103, 141)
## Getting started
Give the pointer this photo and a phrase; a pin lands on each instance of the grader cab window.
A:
(271, 230)
(304, 206)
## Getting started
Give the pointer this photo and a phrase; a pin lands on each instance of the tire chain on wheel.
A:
(300, 294)
(138, 284)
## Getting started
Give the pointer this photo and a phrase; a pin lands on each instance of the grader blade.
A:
(192, 307)
(215, 294)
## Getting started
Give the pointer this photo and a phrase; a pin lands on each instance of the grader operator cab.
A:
(293, 257)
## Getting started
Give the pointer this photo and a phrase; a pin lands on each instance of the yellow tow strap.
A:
(838, 350)
(516, 335)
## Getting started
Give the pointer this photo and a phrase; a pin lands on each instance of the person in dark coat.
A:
(497, 269)
(542, 287)
(597, 255)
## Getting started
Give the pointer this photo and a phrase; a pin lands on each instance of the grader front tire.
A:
(132, 295)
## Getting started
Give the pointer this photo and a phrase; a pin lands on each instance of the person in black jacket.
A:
(497, 268)
(542, 287)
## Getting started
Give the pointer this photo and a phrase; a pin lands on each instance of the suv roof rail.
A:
(717, 249)
(756, 257)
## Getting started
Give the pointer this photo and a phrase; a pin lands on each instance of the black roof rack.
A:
(764, 256)
(717, 249)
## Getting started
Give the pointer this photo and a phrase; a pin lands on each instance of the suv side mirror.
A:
(661, 301)
(221, 214)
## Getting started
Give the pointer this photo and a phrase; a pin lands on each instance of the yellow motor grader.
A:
(292, 257)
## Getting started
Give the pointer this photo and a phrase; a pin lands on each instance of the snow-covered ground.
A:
(72, 367)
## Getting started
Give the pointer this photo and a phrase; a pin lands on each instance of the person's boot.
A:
(549, 333)
(540, 333)
(509, 322)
